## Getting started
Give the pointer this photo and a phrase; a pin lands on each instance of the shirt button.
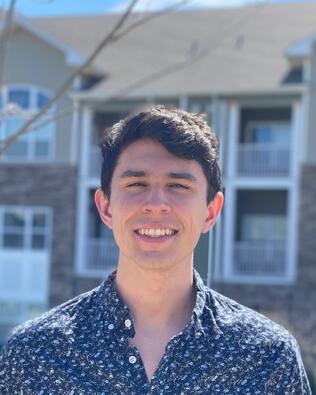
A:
(132, 359)
(128, 323)
(110, 326)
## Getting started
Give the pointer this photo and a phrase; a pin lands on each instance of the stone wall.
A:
(292, 306)
(52, 186)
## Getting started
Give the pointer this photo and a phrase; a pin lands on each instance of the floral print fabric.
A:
(82, 347)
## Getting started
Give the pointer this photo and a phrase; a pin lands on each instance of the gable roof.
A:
(72, 57)
(244, 49)
(303, 48)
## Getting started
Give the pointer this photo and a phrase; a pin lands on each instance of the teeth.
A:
(156, 232)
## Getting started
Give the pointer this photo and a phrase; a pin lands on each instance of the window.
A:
(268, 133)
(17, 105)
(25, 234)
(24, 228)
(265, 150)
(263, 227)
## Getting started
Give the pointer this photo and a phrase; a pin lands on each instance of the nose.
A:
(156, 201)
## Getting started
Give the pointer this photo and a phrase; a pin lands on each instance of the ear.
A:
(103, 206)
(213, 211)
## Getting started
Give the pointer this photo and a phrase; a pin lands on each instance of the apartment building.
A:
(250, 70)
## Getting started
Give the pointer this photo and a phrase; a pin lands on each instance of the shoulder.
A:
(40, 344)
(243, 324)
(59, 316)
(54, 326)
(258, 347)
(41, 339)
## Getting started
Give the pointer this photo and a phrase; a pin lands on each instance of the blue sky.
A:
(71, 7)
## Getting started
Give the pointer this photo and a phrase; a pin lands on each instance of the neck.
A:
(157, 299)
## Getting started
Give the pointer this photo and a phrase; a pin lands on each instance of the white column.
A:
(233, 130)
(229, 225)
(83, 190)
(86, 137)
(74, 133)
(214, 250)
(218, 246)
(230, 192)
(210, 258)
(184, 103)
(293, 192)
(305, 126)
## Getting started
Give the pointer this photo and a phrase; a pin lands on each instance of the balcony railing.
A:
(101, 255)
(256, 159)
(95, 160)
(259, 258)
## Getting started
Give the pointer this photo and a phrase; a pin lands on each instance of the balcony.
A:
(101, 255)
(260, 258)
(263, 159)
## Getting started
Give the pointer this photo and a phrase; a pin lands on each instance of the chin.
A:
(154, 261)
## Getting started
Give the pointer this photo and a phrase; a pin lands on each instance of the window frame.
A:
(272, 124)
(265, 219)
(30, 137)
(28, 229)
(25, 307)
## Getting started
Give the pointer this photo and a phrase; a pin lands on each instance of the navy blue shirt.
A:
(82, 347)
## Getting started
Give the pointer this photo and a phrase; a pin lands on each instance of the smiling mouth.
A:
(155, 233)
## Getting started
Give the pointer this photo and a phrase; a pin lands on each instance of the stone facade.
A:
(52, 186)
(292, 306)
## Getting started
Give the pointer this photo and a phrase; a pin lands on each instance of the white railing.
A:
(259, 258)
(263, 159)
(95, 161)
(101, 255)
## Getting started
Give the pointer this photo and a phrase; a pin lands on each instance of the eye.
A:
(136, 184)
(178, 186)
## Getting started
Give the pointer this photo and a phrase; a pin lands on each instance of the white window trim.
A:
(252, 124)
(27, 230)
(47, 250)
(290, 183)
(33, 90)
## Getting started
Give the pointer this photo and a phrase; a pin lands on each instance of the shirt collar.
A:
(200, 295)
(203, 320)
(116, 317)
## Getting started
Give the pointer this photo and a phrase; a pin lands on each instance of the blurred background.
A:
(68, 69)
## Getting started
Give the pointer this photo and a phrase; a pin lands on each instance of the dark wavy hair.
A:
(183, 134)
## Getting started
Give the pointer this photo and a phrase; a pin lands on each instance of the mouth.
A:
(155, 233)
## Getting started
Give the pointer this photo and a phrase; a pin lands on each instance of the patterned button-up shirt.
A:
(82, 347)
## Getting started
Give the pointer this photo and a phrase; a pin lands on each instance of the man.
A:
(152, 327)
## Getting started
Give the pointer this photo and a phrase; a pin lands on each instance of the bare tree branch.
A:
(125, 91)
(109, 37)
(114, 35)
(195, 55)
(4, 37)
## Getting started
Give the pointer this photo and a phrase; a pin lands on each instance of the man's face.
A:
(158, 207)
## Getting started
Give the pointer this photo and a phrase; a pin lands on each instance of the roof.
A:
(72, 57)
(244, 49)
(303, 48)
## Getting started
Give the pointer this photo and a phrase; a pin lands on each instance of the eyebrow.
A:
(177, 176)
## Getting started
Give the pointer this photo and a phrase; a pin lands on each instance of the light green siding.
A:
(31, 61)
